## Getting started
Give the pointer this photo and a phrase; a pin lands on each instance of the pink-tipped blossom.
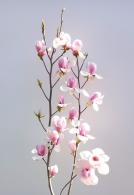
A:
(61, 103)
(71, 85)
(82, 130)
(59, 123)
(90, 72)
(94, 100)
(76, 48)
(63, 40)
(53, 170)
(40, 48)
(72, 146)
(40, 152)
(97, 159)
(73, 113)
(54, 137)
(64, 65)
(86, 173)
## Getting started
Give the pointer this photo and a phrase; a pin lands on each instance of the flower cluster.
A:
(61, 55)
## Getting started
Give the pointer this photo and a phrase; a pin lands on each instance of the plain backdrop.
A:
(106, 28)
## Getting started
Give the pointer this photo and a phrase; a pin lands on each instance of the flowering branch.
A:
(89, 162)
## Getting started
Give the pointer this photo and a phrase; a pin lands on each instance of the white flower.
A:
(97, 159)
(64, 39)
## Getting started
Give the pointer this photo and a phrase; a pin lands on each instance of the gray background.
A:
(107, 31)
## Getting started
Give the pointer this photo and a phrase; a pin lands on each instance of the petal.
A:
(98, 76)
(91, 137)
(83, 138)
(85, 155)
(37, 158)
(62, 88)
(73, 131)
(105, 157)
(84, 73)
(98, 151)
(103, 169)
(34, 151)
(84, 92)
(95, 107)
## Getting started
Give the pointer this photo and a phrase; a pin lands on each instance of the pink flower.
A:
(71, 83)
(61, 103)
(90, 73)
(54, 137)
(97, 159)
(82, 130)
(63, 40)
(64, 65)
(73, 113)
(86, 172)
(72, 145)
(40, 48)
(40, 151)
(77, 45)
(76, 48)
(53, 170)
(95, 99)
(59, 123)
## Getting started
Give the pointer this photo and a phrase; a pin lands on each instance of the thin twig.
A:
(45, 65)
(56, 82)
(45, 130)
(83, 61)
(59, 57)
(74, 73)
(83, 110)
(67, 184)
(55, 112)
(44, 93)
(44, 161)
(84, 83)
(61, 21)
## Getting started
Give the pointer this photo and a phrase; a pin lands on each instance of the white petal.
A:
(84, 73)
(83, 138)
(34, 151)
(105, 157)
(85, 154)
(36, 158)
(56, 42)
(103, 169)
(98, 151)
(62, 88)
(84, 92)
(91, 137)
(81, 55)
(95, 107)
(75, 123)
(73, 131)
(98, 76)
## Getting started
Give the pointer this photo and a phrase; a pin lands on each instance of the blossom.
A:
(95, 99)
(86, 172)
(97, 159)
(53, 170)
(90, 72)
(64, 65)
(54, 137)
(40, 48)
(64, 40)
(73, 113)
(61, 103)
(59, 123)
(76, 48)
(40, 152)
(82, 130)
(71, 85)
(72, 145)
